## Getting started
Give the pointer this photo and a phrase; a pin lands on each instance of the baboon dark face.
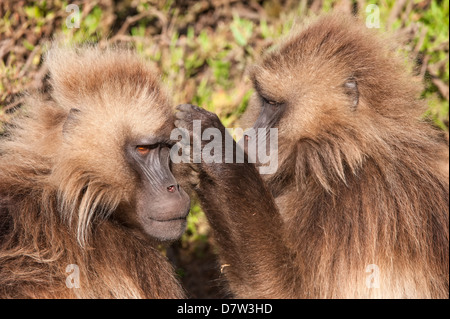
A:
(270, 113)
(271, 110)
(161, 204)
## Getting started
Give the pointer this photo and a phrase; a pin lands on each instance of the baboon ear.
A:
(71, 121)
(351, 89)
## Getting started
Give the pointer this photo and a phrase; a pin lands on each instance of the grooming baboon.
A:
(85, 181)
(358, 207)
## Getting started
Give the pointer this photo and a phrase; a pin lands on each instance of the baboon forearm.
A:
(248, 230)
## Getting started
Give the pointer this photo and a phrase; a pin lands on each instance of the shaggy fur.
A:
(64, 182)
(354, 187)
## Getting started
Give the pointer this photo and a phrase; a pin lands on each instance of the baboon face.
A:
(161, 204)
(130, 158)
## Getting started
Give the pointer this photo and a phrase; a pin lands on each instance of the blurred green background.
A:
(202, 49)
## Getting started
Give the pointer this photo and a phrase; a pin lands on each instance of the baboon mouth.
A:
(178, 217)
(169, 219)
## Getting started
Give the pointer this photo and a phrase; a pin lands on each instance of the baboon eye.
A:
(271, 102)
(145, 149)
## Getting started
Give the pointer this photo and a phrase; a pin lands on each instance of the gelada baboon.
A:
(86, 189)
(358, 207)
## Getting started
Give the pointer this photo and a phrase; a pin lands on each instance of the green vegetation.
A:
(203, 49)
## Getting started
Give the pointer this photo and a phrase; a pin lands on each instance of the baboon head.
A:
(334, 77)
(113, 152)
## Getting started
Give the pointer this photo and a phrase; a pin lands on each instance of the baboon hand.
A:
(194, 121)
(188, 113)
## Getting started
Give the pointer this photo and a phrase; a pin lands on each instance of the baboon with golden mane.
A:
(358, 207)
(86, 187)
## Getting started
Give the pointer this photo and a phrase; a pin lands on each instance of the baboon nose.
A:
(172, 188)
